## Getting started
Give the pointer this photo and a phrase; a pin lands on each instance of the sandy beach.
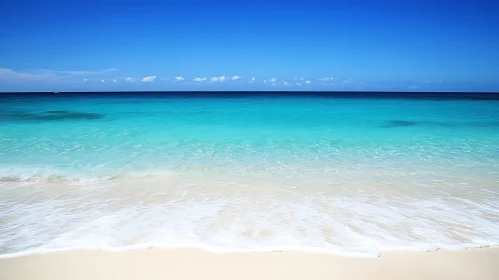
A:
(196, 264)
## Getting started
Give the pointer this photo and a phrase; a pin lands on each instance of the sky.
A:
(405, 45)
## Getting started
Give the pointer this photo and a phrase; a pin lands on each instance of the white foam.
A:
(362, 226)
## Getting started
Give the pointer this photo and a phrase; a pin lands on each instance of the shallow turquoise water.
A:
(114, 133)
(288, 151)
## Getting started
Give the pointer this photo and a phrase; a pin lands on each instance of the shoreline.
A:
(477, 263)
(317, 251)
(214, 250)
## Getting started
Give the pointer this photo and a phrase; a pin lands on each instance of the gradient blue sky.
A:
(305, 45)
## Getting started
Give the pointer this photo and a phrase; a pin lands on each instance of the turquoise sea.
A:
(344, 173)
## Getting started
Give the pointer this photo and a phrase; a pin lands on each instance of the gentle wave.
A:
(52, 175)
(47, 175)
(364, 226)
(51, 179)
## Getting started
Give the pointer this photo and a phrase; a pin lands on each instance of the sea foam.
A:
(193, 216)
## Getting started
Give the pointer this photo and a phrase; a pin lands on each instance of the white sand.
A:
(195, 264)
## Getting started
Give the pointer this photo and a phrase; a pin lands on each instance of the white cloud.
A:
(178, 79)
(85, 80)
(274, 84)
(236, 78)
(308, 82)
(129, 79)
(285, 83)
(218, 79)
(199, 80)
(298, 84)
(102, 81)
(253, 80)
(348, 81)
(324, 79)
(115, 81)
(149, 79)
(273, 80)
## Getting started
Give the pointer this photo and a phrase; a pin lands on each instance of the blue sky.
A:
(249, 45)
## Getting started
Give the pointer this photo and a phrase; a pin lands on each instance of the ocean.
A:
(342, 173)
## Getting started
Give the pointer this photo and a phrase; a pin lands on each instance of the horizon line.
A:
(247, 91)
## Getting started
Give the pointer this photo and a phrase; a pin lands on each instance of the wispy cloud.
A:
(149, 79)
(273, 80)
(5, 72)
(237, 78)
(308, 82)
(11, 80)
(129, 79)
(78, 72)
(329, 79)
(253, 80)
(285, 83)
(179, 79)
(115, 81)
(334, 81)
(44, 79)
